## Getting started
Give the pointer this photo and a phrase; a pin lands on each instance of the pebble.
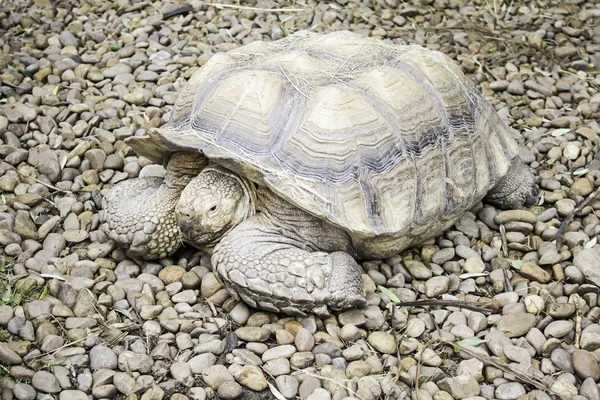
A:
(287, 385)
(509, 391)
(515, 215)
(8, 356)
(436, 286)
(252, 377)
(460, 387)
(215, 375)
(284, 351)
(586, 365)
(102, 357)
(383, 342)
(558, 329)
(533, 272)
(516, 324)
(23, 391)
(201, 362)
(252, 334)
(45, 382)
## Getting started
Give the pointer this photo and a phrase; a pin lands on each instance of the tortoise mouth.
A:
(198, 239)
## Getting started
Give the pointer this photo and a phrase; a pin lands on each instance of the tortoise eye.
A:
(213, 209)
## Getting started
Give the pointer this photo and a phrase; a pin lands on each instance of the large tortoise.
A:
(292, 158)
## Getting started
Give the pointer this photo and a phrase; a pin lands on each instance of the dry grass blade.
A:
(49, 186)
(219, 5)
(487, 360)
(483, 307)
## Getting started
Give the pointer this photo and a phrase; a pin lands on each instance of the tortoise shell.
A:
(382, 140)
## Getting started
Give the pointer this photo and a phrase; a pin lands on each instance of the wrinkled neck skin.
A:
(298, 227)
(182, 167)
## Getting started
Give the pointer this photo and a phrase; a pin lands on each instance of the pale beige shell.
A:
(383, 140)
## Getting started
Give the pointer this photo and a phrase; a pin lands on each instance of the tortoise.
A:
(293, 158)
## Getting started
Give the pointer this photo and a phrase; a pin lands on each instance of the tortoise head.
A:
(212, 204)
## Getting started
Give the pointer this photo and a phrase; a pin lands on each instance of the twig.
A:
(485, 306)
(567, 221)
(522, 376)
(49, 186)
(178, 11)
(219, 5)
(577, 325)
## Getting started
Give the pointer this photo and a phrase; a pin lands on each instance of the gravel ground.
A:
(79, 320)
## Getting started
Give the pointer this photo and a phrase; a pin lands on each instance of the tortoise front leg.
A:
(139, 214)
(279, 273)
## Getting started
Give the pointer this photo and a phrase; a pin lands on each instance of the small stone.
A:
(116, 70)
(515, 215)
(201, 362)
(287, 385)
(252, 334)
(210, 285)
(284, 351)
(317, 393)
(187, 296)
(355, 317)
(443, 255)
(124, 383)
(216, 375)
(517, 324)
(436, 286)
(509, 391)
(531, 271)
(351, 333)
(171, 274)
(252, 377)
(571, 151)
(182, 373)
(130, 361)
(304, 340)
(45, 382)
(23, 391)
(473, 264)
(561, 310)
(581, 187)
(515, 88)
(586, 365)
(229, 390)
(383, 342)
(460, 387)
(72, 395)
(368, 388)
(558, 329)
(8, 356)
(6, 314)
(588, 262)
(358, 369)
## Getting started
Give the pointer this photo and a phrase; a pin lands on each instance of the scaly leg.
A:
(279, 273)
(139, 214)
(516, 189)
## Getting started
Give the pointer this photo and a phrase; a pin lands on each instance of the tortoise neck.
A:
(294, 223)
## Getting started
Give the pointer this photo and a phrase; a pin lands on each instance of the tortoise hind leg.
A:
(516, 189)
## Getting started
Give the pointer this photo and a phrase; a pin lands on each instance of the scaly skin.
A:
(516, 189)
(139, 214)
